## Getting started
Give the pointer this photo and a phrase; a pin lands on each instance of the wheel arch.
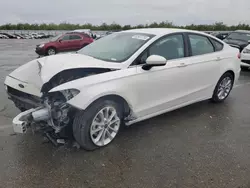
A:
(231, 72)
(116, 98)
(50, 46)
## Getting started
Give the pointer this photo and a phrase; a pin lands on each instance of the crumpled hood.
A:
(52, 65)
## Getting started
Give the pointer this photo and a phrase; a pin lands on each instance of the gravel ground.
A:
(202, 145)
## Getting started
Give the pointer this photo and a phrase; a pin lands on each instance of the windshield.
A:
(239, 36)
(55, 38)
(116, 47)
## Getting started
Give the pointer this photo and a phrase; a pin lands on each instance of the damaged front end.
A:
(51, 118)
(51, 114)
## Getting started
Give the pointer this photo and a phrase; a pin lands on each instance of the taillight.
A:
(238, 55)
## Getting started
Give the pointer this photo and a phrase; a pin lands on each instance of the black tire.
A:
(83, 120)
(215, 97)
(50, 48)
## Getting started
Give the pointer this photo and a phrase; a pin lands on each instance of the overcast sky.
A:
(132, 12)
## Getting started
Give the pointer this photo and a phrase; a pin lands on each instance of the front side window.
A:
(75, 37)
(65, 37)
(116, 47)
(200, 45)
(55, 38)
(170, 47)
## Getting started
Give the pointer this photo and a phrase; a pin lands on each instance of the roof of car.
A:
(80, 33)
(160, 31)
(242, 31)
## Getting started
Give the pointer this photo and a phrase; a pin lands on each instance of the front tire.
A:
(51, 51)
(98, 125)
(223, 87)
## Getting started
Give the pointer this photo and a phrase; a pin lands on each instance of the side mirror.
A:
(154, 60)
(60, 40)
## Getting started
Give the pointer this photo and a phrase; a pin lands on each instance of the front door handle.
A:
(182, 65)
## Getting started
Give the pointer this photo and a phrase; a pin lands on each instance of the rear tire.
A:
(223, 87)
(87, 130)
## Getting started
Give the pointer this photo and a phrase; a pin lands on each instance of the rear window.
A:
(217, 45)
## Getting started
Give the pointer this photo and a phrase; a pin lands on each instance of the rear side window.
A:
(75, 37)
(217, 45)
(200, 45)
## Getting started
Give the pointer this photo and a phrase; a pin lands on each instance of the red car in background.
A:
(64, 43)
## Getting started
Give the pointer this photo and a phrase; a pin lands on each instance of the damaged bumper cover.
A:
(21, 122)
(54, 118)
(25, 120)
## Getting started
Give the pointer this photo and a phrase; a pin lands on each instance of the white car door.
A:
(204, 63)
(164, 87)
(182, 81)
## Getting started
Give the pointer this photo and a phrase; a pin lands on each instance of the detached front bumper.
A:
(35, 115)
(21, 122)
(25, 120)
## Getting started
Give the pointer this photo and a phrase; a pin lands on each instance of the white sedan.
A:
(245, 57)
(121, 79)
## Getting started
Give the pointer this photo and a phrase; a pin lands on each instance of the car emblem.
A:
(21, 85)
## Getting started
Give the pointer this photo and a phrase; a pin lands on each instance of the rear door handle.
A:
(182, 65)
(218, 59)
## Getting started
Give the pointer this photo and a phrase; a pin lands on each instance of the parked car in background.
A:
(220, 35)
(245, 58)
(87, 31)
(238, 39)
(10, 36)
(72, 41)
(2, 36)
(25, 35)
(19, 36)
(125, 77)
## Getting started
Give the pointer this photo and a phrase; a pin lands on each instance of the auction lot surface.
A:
(202, 145)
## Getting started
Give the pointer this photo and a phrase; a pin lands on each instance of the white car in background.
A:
(125, 77)
(245, 58)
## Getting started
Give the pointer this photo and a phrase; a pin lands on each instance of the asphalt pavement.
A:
(202, 145)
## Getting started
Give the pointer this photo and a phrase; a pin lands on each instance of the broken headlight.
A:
(70, 93)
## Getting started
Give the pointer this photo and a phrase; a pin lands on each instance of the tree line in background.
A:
(218, 26)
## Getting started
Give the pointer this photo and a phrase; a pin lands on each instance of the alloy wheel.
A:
(224, 88)
(105, 126)
(51, 51)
